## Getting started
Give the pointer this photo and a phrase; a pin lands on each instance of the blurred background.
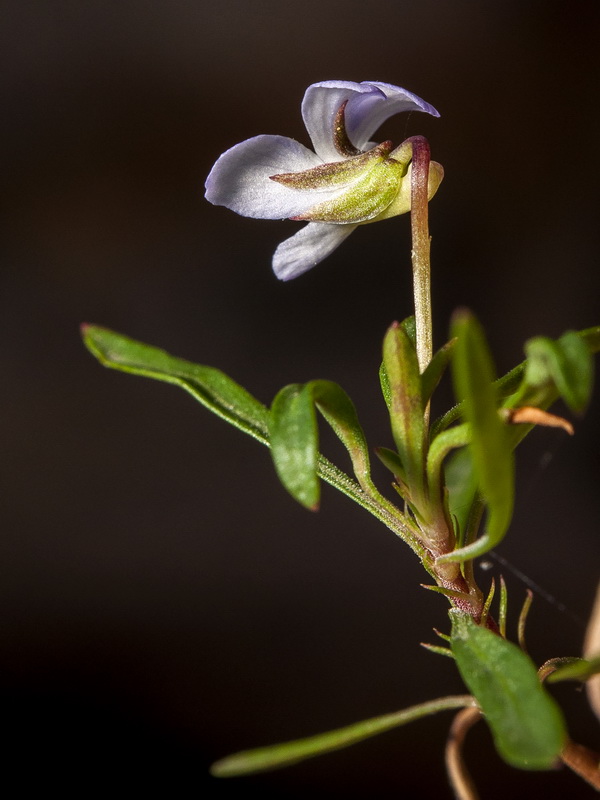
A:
(163, 601)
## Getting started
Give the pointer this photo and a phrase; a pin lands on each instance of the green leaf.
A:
(224, 397)
(384, 382)
(526, 723)
(579, 669)
(295, 436)
(287, 753)
(391, 460)
(462, 487)
(209, 386)
(435, 369)
(406, 404)
(490, 446)
(565, 364)
(295, 443)
(339, 411)
(508, 384)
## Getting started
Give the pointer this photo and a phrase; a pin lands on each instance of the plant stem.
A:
(420, 249)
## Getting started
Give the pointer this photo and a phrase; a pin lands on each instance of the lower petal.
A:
(307, 248)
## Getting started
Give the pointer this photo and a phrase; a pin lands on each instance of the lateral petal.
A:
(241, 178)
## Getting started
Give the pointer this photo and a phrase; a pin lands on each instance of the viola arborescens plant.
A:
(455, 476)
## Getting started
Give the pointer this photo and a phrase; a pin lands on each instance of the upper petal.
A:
(370, 103)
(307, 248)
(241, 178)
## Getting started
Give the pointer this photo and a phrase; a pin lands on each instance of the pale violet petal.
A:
(321, 103)
(370, 103)
(364, 114)
(240, 179)
(307, 248)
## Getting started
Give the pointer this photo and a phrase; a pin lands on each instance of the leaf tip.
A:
(222, 768)
(461, 314)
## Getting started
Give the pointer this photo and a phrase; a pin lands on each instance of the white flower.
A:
(347, 181)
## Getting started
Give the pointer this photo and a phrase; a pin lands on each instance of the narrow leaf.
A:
(438, 649)
(282, 755)
(435, 369)
(576, 376)
(209, 386)
(406, 405)
(295, 443)
(224, 397)
(462, 487)
(384, 382)
(565, 364)
(490, 447)
(339, 411)
(295, 436)
(526, 723)
(508, 386)
(391, 460)
(580, 669)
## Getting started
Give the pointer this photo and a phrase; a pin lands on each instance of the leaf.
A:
(282, 755)
(384, 382)
(579, 669)
(526, 723)
(295, 436)
(461, 486)
(435, 369)
(223, 396)
(565, 364)
(406, 404)
(295, 443)
(490, 446)
(211, 387)
(508, 384)
(391, 460)
(339, 411)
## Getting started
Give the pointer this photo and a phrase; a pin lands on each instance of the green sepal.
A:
(406, 405)
(490, 446)
(336, 174)
(375, 187)
(526, 723)
(282, 755)
(211, 387)
(294, 436)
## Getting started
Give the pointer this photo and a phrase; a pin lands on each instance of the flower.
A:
(347, 181)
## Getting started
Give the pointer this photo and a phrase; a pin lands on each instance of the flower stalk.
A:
(421, 249)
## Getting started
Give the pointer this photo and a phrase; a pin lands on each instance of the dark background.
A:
(163, 601)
